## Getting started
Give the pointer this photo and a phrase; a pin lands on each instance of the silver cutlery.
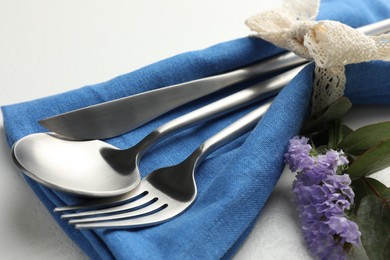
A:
(166, 192)
(122, 115)
(97, 169)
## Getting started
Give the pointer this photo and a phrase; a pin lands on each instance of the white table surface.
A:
(48, 47)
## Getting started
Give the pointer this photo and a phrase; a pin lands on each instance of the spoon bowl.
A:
(85, 168)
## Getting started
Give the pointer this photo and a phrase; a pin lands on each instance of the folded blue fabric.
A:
(235, 181)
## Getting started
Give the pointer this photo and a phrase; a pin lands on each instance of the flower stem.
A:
(335, 134)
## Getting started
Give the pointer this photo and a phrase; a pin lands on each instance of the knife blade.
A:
(122, 115)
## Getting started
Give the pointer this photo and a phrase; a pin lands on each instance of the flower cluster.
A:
(323, 195)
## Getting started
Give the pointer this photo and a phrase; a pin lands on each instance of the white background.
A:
(48, 47)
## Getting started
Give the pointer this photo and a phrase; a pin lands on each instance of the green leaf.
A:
(335, 111)
(365, 137)
(373, 219)
(375, 159)
(346, 130)
(369, 186)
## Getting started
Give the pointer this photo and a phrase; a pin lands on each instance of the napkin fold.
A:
(234, 182)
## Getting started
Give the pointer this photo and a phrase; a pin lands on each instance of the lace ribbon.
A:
(331, 44)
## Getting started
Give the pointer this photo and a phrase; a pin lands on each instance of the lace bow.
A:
(330, 44)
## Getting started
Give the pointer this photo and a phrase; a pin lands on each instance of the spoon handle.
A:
(223, 106)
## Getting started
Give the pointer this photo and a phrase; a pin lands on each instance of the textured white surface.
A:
(48, 47)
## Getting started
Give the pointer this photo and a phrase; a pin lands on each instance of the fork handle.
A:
(228, 134)
(246, 123)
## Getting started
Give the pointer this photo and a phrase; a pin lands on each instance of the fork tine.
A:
(143, 221)
(149, 209)
(103, 201)
(132, 205)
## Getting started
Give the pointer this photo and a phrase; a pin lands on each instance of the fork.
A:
(166, 192)
(134, 154)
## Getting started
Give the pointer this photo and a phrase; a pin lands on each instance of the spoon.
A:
(76, 167)
(97, 169)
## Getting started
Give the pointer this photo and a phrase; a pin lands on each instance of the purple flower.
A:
(322, 196)
(297, 156)
(347, 230)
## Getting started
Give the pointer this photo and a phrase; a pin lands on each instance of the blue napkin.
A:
(235, 181)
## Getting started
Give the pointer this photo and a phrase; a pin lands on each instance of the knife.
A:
(122, 115)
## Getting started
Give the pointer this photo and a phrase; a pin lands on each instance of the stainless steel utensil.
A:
(122, 115)
(97, 169)
(166, 192)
